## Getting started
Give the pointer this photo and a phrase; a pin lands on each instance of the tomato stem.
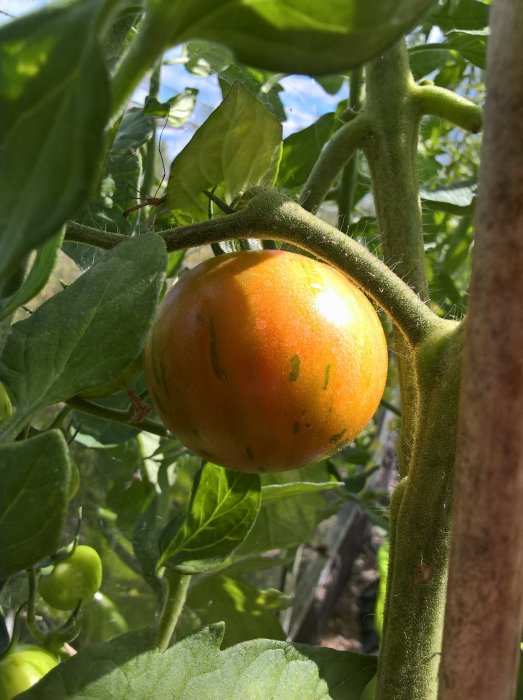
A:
(176, 589)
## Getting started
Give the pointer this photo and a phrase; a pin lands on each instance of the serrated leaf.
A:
(249, 613)
(54, 104)
(196, 669)
(38, 275)
(89, 333)
(33, 472)
(222, 510)
(297, 36)
(239, 146)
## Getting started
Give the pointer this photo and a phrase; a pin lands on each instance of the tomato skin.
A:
(22, 668)
(73, 579)
(265, 360)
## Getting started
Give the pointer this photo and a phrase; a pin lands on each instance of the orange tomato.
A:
(265, 360)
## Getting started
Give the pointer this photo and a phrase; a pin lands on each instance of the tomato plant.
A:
(22, 668)
(317, 165)
(266, 360)
(72, 580)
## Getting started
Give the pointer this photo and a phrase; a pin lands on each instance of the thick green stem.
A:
(177, 586)
(450, 106)
(429, 380)
(391, 152)
(270, 215)
(420, 530)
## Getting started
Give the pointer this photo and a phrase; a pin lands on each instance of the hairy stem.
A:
(448, 105)
(338, 151)
(177, 586)
(117, 415)
(429, 380)
(270, 215)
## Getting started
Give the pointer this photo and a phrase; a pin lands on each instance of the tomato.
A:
(119, 383)
(6, 407)
(73, 579)
(22, 668)
(265, 360)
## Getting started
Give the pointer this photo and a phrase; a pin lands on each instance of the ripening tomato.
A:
(265, 360)
(72, 580)
(22, 668)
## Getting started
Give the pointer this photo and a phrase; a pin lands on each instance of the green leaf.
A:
(38, 275)
(460, 14)
(196, 669)
(424, 60)
(301, 151)
(248, 612)
(286, 522)
(458, 198)
(178, 109)
(296, 36)
(275, 492)
(472, 45)
(135, 129)
(222, 510)
(34, 489)
(239, 146)
(88, 334)
(54, 104)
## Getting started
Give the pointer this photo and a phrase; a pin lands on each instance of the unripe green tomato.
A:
(22, 668)
(6, 407)
(73, 579)
(121, 382)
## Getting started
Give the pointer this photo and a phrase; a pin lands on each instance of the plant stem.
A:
(448, 105)
(391, 152)
(177, 586)
(117, 415)
(270, 214)
(79, 233)
(338, 151)
(349, 174)
(420, 531)
(485, 593)
(429, 380)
